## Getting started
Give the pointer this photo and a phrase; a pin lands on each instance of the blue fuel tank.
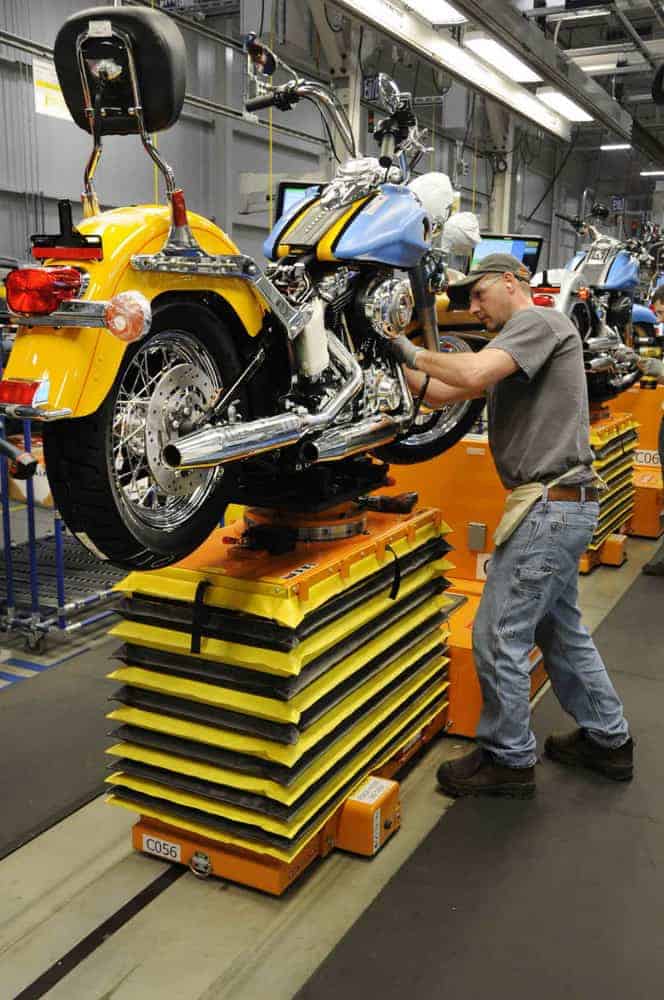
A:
(391, 229)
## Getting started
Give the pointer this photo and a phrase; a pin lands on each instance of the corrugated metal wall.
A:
(211, 149)
(221, 158)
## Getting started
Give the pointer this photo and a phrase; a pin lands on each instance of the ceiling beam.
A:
(394, 19)
(508, 25)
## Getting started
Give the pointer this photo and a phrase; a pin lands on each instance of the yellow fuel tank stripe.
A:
(268, 749)
(324, 250)
(284, 664)
(238, 814)
(270, 708)
(435, 706)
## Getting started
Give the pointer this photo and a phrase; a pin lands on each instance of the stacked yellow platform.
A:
(257, 691)
(613, 440)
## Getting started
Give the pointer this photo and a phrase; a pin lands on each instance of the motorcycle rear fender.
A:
(81, 364)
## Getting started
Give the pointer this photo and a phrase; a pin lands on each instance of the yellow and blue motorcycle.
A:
(172, 373)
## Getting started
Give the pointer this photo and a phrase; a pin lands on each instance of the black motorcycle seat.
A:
(160, 58)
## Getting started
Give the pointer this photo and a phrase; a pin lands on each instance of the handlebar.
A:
(387, 150)
(262, 101)
(568, 218)
(290, 93)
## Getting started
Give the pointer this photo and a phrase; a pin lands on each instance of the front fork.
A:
(425, 304)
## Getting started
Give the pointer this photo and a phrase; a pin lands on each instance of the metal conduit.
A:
(193, 100)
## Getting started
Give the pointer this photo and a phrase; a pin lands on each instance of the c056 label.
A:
(161, 848)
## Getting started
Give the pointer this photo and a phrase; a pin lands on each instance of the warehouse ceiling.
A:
(617, 44)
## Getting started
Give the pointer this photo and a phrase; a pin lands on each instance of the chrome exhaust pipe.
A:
(372, 432)
(341, 442)
(214, 445)
(602, 364)
(232, 442)
(605, 343)
(626, 381)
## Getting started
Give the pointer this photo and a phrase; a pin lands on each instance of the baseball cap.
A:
(493, 263)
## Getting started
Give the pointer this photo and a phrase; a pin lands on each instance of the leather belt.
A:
(574, 494)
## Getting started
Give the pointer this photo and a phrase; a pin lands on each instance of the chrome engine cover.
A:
(389, 306)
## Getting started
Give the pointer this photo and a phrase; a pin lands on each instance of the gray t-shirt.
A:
(538, 417)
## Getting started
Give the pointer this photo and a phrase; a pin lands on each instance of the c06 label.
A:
(161, 848)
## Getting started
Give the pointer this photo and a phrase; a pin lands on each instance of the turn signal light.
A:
(128, 316)
(544, 300)
(38, 291)
(584, 294)
(18, 391)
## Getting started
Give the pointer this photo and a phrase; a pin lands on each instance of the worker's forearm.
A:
(438, 393)
(458, 371)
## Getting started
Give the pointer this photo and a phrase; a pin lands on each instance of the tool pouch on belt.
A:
(520, 501)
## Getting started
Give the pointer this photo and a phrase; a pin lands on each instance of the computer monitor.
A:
(288, 192)
(527, 249)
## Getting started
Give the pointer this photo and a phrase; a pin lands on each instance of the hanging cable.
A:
(329, 23)
(556, 175)
(326, 127)
(262, 20)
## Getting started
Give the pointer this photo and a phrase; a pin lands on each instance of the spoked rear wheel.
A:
(106, 471)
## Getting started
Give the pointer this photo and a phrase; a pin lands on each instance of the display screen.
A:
(289, 192)
(527, 249)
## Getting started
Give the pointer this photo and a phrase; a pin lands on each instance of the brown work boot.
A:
(655, 567)
(576, 748)
(478, 774)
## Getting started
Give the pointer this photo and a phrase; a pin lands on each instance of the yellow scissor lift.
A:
(613, 439)
(266, 698)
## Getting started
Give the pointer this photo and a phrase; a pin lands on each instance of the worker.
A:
(533, 375)
(655, 368)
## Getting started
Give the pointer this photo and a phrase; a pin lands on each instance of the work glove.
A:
(403, 350)
(625, 355)
(652, 366)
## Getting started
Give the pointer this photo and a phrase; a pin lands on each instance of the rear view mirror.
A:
(263, 60)
(388, 93)
(599, 211)
(658, 86)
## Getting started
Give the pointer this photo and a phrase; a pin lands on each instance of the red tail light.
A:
(39, 291)
(544, 300)
(18, 391)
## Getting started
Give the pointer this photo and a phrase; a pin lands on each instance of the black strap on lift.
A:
(198, 615)
(396, 583)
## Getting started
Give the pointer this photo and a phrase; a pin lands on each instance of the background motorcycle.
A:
(596, 290)
(173, 374)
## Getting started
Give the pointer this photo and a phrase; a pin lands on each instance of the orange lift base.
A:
(647, 521)
(464, 694)
(361, 825)
(610, 553)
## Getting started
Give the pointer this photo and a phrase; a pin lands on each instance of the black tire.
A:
(78, 455)
(439, 430)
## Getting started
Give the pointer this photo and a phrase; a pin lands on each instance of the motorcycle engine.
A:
(388, 305)
(619, 314)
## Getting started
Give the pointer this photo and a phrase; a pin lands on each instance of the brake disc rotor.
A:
(179, 399)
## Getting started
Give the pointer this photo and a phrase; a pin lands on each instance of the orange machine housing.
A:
(645, 405)
(464, 484)
(369, 817)
(464, 694)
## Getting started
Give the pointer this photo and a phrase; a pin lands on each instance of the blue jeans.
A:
(530, 597)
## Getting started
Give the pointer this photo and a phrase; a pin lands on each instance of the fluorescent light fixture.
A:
(606, 67)
(501, 58)
(436, 47)
(575, 15)
(616, 145)
(562, 104)
(652, 173)
(436, 11)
